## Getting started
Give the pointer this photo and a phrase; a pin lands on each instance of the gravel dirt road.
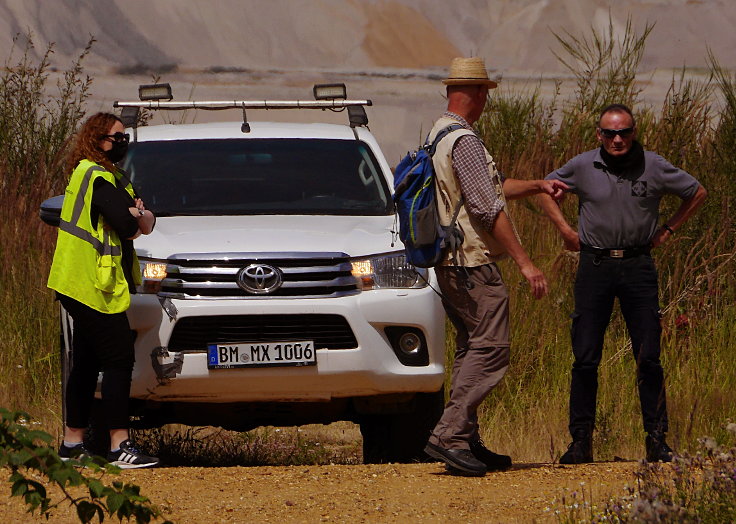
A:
(359, 493)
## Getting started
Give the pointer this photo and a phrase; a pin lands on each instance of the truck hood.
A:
(355, 236)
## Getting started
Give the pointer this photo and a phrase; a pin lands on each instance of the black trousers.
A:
(100, 343)
(634, 282)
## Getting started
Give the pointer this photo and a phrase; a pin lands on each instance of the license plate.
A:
(257, 354)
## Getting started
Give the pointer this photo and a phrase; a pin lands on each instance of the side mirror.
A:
(50, 211)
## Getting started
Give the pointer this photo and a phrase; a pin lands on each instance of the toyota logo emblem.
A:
(260, 279)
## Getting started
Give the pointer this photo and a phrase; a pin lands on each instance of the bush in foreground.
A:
(694, 488)
(27, 454)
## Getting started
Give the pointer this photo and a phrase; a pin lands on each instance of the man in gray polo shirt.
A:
(619, 188)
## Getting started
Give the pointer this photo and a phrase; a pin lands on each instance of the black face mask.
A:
(117, 153)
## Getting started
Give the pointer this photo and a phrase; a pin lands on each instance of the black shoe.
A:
(657, 448)
(580, 451)
(77, 452)
(461, 460)
(127, 457)
(493, 461)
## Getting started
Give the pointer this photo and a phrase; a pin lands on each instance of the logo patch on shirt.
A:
(639, 189)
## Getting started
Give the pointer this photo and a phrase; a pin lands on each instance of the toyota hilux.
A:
(274, 290)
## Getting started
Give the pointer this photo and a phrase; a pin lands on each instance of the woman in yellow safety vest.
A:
(94, 270)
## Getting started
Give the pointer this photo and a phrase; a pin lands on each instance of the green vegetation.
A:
(27, 454)
(35, 128)
(694, 129)
(36, 122)
(529, 136)
(204, 446)
(697, 488)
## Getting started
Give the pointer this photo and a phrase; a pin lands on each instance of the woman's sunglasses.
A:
(118, 137)
(610, 133)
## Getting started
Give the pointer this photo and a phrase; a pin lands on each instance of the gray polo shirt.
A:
(621, 211)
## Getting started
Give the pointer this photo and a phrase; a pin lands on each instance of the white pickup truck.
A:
(275, 291)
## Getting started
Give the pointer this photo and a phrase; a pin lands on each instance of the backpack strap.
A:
(453, 236)
(431, 148)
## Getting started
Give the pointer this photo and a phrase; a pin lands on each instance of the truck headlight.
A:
(152, 273)
(388, 271)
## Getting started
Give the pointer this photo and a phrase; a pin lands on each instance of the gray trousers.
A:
(481, 318)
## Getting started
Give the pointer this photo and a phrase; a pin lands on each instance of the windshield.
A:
(258, 176)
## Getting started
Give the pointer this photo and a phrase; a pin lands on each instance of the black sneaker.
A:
(77, 452)
(657, 449)
(580, 451)
(127, 457)
(493, 461)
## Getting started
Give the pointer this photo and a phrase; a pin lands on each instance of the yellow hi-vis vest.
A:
(87, 263)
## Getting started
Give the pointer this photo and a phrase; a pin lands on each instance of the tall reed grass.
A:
(694, 129)
(529, 136)
(36, 121)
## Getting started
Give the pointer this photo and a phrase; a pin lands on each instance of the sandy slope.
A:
(514, 35)
(391, 51)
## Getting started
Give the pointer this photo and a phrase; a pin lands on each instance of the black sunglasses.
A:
(610, 133)
(118, 137)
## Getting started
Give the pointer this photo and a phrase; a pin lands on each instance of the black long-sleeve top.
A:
(113, 204)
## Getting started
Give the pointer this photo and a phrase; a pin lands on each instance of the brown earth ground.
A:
(529, 492)
(360, 493)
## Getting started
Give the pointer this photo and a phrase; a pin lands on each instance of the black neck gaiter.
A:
(634, 158)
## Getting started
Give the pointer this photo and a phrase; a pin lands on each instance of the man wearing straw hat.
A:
(474, 295)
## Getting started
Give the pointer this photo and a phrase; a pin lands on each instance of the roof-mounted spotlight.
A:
(357, 116)
(329, 91)
(155, 92)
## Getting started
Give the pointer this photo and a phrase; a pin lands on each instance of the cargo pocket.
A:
(105, 274)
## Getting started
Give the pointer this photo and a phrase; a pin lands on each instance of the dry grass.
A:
(527, 415)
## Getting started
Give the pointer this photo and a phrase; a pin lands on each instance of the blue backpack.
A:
(415, 198)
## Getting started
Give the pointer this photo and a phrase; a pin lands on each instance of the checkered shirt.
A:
(471, 168)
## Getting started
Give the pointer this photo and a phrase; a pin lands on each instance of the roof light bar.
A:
(246, 104)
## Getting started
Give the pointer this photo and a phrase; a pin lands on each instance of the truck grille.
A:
(258, 275)
(327, 331)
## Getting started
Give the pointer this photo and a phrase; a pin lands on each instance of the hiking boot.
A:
(77, 452)
(657, 448)
(462, 461)
(128, 457)
(580, 450)
(493, 461)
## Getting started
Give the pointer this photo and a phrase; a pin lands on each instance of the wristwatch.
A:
(141, 212)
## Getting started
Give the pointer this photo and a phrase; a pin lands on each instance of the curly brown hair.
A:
(87, 141)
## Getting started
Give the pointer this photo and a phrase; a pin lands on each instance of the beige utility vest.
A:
(478, 247)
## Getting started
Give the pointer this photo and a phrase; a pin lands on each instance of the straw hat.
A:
(468, 71)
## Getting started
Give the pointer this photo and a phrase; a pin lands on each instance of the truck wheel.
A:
(401, 437)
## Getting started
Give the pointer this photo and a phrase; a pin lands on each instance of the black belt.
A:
(617, 253)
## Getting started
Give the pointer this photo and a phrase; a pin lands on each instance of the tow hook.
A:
(166, 364)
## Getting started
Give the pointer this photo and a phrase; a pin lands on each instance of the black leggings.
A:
(100, 342)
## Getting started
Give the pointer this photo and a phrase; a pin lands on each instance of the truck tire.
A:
(401, 437)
